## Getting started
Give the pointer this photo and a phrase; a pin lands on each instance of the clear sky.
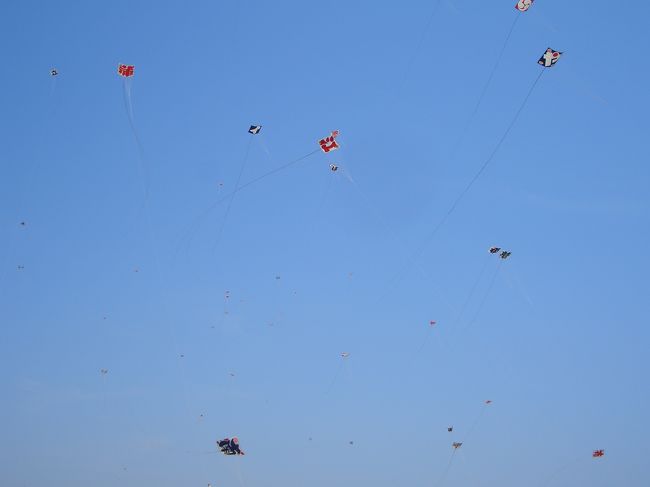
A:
(125, 257)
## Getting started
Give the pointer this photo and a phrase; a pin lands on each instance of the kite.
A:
(598, 453)
(450, 429)
(345, 354)
(505, 254)
(456, 445)
(230, 446)
(489, 401)
(103, 371)
(334, 167)
(549, 58)
(494, 250)
(255, 129)
(523, 5)
(125, 70)
(21, 267)
(329, 143)
(53, 72)
(432, 323)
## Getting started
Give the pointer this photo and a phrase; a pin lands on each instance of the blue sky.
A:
(125, 269)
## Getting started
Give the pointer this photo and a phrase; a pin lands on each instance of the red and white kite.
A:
(329, 143)
(523, 5)
(598, 453)
(125, 70)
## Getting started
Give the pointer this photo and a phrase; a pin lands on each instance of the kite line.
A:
(420, 250)
(193, 227)
(232, 196)
(470, 120)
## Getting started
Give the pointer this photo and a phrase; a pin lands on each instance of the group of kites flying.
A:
(230, 446)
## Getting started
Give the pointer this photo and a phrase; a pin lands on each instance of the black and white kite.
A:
(505, 254)
(255, 129)
(53, 72)
(549, 58)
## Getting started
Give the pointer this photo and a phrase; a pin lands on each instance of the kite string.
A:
(232, 197)
(419, 45)
(445, 472)
(195, 224)
(470, 120)
(469, 185)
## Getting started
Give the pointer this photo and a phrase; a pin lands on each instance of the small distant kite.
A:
(598, 453)
(103, 371)
(494, 250)
(489, 401)
(505, 254)
(255, 129)
(352, 443)
(329, 143)
(549, 58)
(21, 267)
(23, 224)
(523, 5)
(334, 167)
(450, 429)
(230, 446)
(456, 445)
(125, 70)
(53, 72)
(345, 354)
(432, 323)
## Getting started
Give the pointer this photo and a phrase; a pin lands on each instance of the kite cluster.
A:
(504, 254)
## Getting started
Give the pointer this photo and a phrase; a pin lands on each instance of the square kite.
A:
(125, 70)
(329, 143)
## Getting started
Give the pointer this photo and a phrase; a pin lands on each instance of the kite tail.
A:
(472, 291)
(335, 378)
(264, 147)
(471, 118)
(129, 112)
(232, 197)
(515, 284)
